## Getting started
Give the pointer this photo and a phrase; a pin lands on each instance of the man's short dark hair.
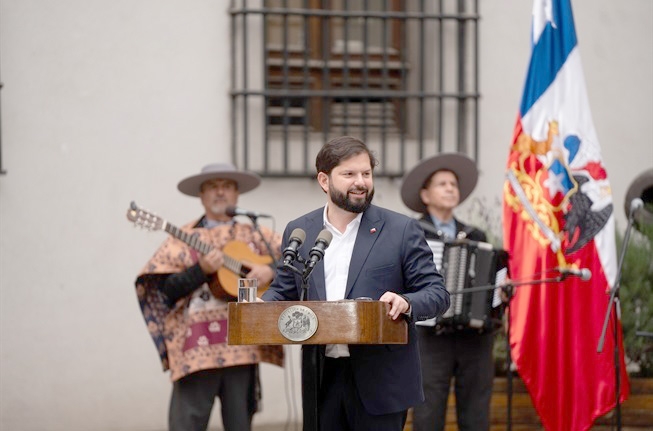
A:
(339, 149)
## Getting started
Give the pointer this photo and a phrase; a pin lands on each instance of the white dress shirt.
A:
(336, 270)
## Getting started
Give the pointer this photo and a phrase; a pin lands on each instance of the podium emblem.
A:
(297, 323)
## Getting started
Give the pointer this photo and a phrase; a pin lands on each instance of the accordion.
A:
(465, 264)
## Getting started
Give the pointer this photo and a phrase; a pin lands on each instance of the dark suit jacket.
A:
(390, 254)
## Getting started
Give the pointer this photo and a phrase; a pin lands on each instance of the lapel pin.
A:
(373, 230)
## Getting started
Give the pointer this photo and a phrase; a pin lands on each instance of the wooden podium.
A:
(338, 322)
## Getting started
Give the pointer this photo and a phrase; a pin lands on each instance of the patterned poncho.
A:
(192, 335)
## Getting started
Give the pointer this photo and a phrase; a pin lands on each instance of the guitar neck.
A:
(191, 240)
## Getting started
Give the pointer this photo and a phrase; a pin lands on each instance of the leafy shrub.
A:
(636, 299)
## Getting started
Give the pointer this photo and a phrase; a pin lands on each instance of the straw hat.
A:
(461, 165)
(246, 181)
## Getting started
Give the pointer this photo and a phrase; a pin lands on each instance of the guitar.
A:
(236, 253)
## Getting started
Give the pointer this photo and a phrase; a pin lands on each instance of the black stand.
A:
(311, 361)
(311, 372)
(265, 241)
(508, 290)
(614, 309)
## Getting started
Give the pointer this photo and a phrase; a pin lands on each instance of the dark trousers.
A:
(340, 406)
(467, 358)
(193, 397)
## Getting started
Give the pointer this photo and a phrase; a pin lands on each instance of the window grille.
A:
(400, 75)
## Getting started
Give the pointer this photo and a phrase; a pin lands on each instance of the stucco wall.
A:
(105, 102)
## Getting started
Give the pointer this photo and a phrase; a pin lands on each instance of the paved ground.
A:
(278, 427)
(271, 427)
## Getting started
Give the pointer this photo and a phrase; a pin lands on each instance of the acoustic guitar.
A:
(237, 254)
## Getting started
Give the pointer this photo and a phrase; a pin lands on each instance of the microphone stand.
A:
(614, 308)
(267, 244)
(508, 289)
(303, 294)
(311, 363)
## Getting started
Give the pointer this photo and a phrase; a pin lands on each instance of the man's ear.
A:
(323, 180)
(423, 195)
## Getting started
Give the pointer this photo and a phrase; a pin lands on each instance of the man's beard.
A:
(218, 208)
(342, 200)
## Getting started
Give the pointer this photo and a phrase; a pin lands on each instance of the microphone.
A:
(635, 205)
(584, 273)
(317, 252)
(297, 238)
(235, 211)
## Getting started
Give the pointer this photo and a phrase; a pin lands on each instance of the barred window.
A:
(400, 75)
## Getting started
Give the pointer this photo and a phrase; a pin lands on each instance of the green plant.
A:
(636, 299)
(487, 217)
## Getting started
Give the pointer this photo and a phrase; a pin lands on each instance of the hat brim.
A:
(246, 181)
(641, 187)
(461, 165)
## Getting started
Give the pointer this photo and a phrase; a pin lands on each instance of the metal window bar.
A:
(440, 86)
(384, 85)
(366, 76)
(401, 99)
(305, 85)
(2, 171)
(422, 78)
(326, 50)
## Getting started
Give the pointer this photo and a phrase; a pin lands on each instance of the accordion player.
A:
(456, 348)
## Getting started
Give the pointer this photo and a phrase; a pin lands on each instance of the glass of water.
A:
(247, 288)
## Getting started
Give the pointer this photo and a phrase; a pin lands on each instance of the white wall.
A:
(105, 102)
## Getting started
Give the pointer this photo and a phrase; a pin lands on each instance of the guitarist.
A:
(189, 324)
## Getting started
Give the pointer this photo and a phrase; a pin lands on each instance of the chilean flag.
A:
(558, 213)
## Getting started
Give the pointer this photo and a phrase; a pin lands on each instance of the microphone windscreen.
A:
(324, 236)
(231, 211)
(298, 234)
(585, 274)
(636, 204)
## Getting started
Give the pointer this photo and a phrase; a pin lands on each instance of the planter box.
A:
(636, 412)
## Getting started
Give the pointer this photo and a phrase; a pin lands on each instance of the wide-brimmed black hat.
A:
(246, 180)
(461, 165)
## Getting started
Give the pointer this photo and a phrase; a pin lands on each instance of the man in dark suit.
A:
(374, 253)
(435, 187)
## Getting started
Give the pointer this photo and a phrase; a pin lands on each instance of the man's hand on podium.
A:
(398, 304)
